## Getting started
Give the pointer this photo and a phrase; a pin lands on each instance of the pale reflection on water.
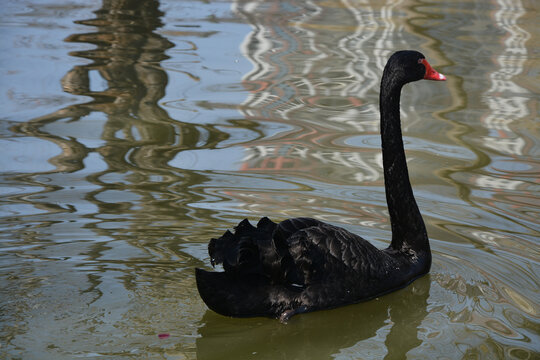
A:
(133, 132)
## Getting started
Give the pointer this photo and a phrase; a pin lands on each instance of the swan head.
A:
(409, 65)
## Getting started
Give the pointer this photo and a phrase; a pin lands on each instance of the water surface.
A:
(132, 132)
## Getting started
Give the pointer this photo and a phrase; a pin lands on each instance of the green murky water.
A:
(131, 132)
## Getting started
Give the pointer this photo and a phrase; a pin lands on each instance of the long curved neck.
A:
(408, 229)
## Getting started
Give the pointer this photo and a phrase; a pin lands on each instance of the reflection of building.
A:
(297, 158)
(295, 71)
(322, 78)
(316, 74)
(507, 100)
(513, 148)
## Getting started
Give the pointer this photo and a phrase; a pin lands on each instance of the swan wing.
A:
(324, 253)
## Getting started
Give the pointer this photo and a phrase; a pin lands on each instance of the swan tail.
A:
(230, 295)
(244, 250)
(247, 256)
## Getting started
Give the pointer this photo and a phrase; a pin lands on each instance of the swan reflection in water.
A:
(395, 317)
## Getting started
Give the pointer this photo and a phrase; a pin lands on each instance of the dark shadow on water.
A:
(120, 81)
(395, 318)
(120, 85)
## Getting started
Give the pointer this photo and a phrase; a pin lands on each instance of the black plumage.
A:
(302, 264)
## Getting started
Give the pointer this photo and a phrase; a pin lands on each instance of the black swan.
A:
(302, 264)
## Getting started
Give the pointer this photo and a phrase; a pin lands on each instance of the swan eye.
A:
(420, 61)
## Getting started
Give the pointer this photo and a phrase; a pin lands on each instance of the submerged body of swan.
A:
(302, 264)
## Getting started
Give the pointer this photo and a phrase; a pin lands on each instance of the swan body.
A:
(302, 264)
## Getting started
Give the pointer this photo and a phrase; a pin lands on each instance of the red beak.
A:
(432, 74)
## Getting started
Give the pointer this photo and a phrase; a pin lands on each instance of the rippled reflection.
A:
(294, 80)
(178, 119)
(110, 183)
(501, 186)
(122, 138)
